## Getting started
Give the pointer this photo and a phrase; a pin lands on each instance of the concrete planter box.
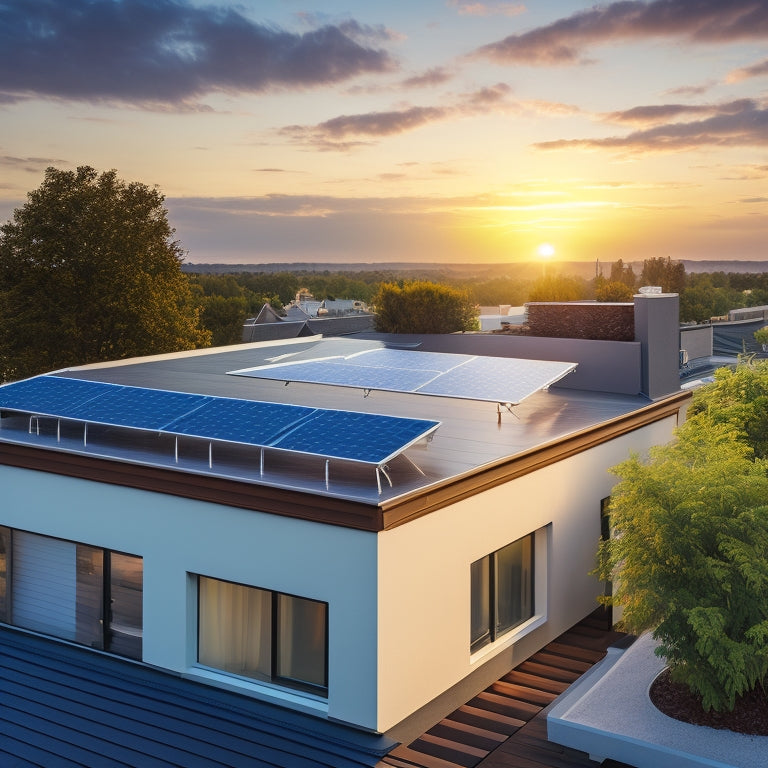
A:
(608, 714)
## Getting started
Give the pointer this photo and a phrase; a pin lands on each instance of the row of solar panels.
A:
(469, 377)
(362, 437)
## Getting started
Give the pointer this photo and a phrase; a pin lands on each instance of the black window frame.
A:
(105, 640)
(492, 632)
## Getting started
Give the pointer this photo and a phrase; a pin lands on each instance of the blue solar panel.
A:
(138, 407)
(240, 421)
(492, 379)
(51, 395)
(363, 437)
(438, 362)
(369, 438)
(345, 375)
(498, 379)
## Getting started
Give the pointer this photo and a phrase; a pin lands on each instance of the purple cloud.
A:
(162, 51)
(562, 42)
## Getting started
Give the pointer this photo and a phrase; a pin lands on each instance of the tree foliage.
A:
(613, 291)
(89, 271)
(670, 275)
(689, 553)
(423, 307)
(558, 288)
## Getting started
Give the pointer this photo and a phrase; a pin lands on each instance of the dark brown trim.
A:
(326, 509)
(217, 490)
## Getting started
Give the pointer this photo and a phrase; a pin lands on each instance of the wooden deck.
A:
(504, 726)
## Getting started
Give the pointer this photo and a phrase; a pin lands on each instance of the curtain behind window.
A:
(235, 628)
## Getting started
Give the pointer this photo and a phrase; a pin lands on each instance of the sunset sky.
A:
(430, 131)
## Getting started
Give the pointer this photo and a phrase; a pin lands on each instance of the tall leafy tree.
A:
(668, 274)
(89, 271)
(689, 553)
(423, 307)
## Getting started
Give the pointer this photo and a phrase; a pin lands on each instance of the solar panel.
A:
(469, 377)
(349, 435)
(51, 395)
(240, 421)
(369, 438)
(138, 407)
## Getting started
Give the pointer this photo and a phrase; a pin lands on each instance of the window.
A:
(262, 634)
(502, 591)
(87, 595)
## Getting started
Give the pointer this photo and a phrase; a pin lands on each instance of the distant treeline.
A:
(229, 297)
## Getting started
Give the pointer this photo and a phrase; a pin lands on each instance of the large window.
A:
(73, 591)
(263, 635)
(502, 591)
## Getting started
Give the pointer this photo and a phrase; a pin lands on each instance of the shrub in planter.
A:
(689, 554)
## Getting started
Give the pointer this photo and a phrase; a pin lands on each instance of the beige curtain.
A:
(235, 628)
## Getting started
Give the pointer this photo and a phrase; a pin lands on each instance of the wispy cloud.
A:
(659, 113)
(168, 51)
(29, 164)
(487, 9)
(564, 41)
(742, 123)
(759, 69)
(335, 133)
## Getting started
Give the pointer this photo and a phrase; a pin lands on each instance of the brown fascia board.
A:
(326, 509)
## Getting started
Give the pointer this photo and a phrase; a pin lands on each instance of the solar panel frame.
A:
(470, 377)
(289, 428)
(391, 435)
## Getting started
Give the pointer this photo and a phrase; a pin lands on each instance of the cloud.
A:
(664, 112)
(29, 164)
(746, 125)
(487, 9)
(562, 42)
(333, 134)
(161, 51)
(760, 69)
(754, 200)
(428, 79)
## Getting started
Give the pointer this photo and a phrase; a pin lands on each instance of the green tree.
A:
(621, 273)
(423, 307)
(613, 291)
(558, 288)
(689, 554)
(670, 275)
(89, 271)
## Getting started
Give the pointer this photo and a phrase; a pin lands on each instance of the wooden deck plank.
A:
(571, 651)
(523, 692)
(564, 662)
(453, 750)
(421, 759)
(484, 718)
(477, 737)
(505, 705)
(548, 672)
(535, 681)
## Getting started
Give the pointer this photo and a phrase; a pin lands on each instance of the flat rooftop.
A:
(473, 436)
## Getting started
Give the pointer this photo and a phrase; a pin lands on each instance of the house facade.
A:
(374, 592)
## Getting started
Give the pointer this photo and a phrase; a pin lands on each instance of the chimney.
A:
(657, 328)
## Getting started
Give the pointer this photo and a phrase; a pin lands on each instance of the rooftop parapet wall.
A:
(582, 320)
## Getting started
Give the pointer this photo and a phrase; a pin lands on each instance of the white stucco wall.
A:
(177, 537)
(424, 570)
(399, 601)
